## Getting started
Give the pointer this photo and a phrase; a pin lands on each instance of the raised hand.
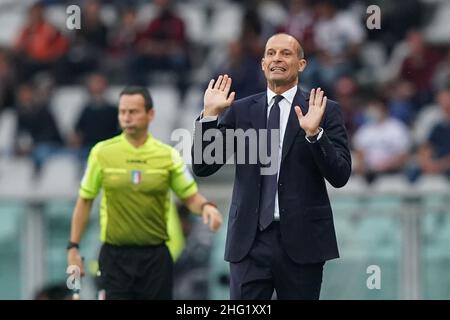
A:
(216, 98)
(311, 121)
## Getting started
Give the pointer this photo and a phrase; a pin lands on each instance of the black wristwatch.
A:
(314, 138)
(71, 245)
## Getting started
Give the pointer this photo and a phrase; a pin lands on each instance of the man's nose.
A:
(277, 56)
(126, 117)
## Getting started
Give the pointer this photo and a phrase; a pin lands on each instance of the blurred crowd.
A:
(393, 84)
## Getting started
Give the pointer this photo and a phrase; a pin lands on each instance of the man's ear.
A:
(151, 114)
(301, 65)
(263, 66)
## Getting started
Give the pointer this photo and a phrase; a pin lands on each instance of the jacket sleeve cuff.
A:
(314, 139)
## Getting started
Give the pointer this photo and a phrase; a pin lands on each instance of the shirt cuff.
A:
(207, 118)
(314, 139)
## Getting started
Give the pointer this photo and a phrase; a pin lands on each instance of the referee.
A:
(135, 172)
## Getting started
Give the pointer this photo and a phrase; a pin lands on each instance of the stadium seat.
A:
(356, 184)
(165, 100)
(432, 184)
(11, 22)
(8, 122)
(195, 21)
(16, 178)
(57, 16)
(427, 118)
(438, 31)
(66, 105)
(225, 14)
(59, 178)
(391, 183)
(145, 14)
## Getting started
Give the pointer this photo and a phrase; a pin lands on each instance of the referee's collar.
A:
(145, 144)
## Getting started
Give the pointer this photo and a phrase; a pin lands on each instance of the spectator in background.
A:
(7, 80)
(122, 39)
(39, 46)
(300, 23)
(252, 32)
(382, 144)
(419, 66)
(98, 119)
(245, 70)
(338, 37)
(401, 100)
(44, 86)
(162, 46)
(346, 93)
(434, 155)
(37, 133)
(89, 43)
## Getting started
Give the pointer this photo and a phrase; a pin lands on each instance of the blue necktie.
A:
(269, 182)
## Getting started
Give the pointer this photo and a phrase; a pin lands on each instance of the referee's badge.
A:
(136, 176)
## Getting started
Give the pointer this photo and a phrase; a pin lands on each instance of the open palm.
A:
(311, 121)
(217, 97)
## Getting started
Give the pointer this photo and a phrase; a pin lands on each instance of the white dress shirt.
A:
(285, 108)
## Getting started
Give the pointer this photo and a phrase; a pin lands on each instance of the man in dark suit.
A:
(280, 228)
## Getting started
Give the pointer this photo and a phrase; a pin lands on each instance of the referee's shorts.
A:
(135, 272)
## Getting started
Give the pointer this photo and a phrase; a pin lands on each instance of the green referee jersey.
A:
(136, 185)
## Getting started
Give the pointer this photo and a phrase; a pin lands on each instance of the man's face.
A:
(281, 63)
(133, 118)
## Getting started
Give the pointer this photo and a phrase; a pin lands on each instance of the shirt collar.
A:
(288, 95)
(146, 144)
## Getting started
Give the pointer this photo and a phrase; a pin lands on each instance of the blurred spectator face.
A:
(376, 111)
(326, 10)
(97, 85)
(129, 18)
(162, 4)
(281, 63)
(234, 51)
(443, 100)
(44, 85)
(404, 90)
(92, 9)
(36, 14)
(416, 42)
(133, 117)
(345, 86)
(25, 97)
(296, 6)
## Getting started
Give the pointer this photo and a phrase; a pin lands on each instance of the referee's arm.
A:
(198, 204)
(80, 219)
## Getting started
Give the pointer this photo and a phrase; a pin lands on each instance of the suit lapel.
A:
(258, 112)
(293, 127)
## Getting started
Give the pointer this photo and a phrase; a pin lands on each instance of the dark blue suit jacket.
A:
(306, 218)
